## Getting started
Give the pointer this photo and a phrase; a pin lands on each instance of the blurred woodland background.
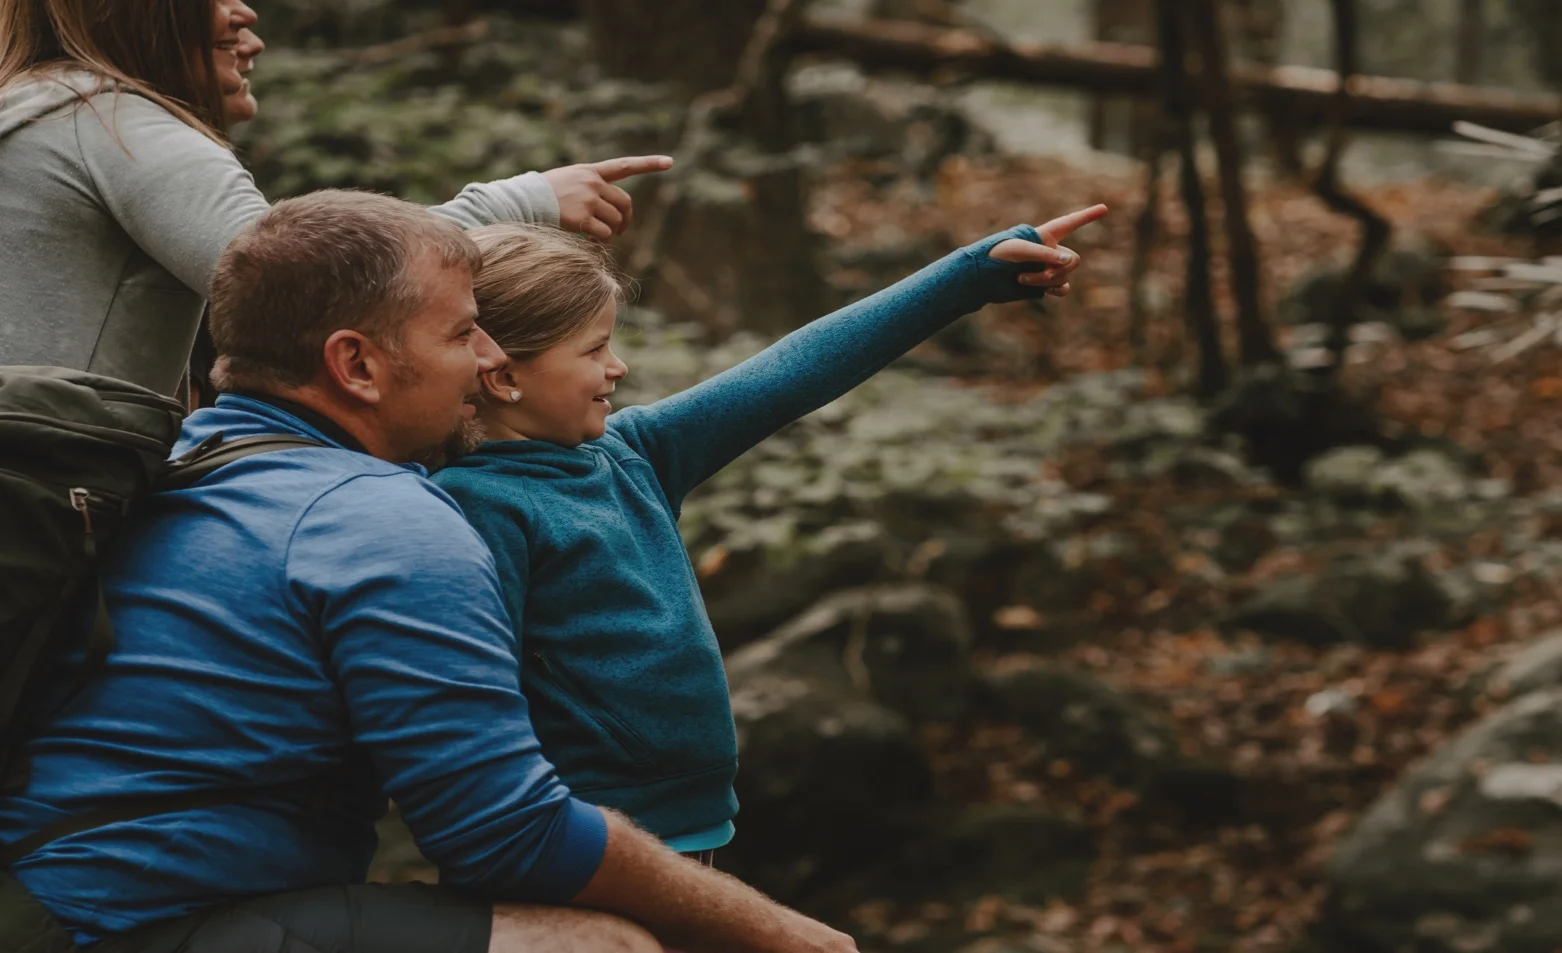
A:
(1213, 608)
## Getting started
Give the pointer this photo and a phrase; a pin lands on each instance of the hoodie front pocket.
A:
(592, 707)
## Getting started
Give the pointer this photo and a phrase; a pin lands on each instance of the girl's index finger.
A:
(1064, 225)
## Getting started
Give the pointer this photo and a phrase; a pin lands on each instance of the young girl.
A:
(580, 507)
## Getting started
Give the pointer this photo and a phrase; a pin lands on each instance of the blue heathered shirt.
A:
(299, 612)
(619, 659)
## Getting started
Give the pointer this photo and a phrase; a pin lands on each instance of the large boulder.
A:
(1021, 854)
(1078, 718)
(1381, 601)
(1286, 418)
(833, 777)
(1464, 854)
(750, 591)
(1102, 731)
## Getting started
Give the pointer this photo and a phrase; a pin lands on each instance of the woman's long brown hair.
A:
(160, 49)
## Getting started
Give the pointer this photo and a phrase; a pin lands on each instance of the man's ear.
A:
(356, 366)
(500, 383)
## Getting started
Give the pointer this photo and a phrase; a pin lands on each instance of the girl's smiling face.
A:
(561, 395)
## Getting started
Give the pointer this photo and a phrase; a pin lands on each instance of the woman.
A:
(118, 190)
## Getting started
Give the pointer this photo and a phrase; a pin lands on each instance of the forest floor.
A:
(1255, 885)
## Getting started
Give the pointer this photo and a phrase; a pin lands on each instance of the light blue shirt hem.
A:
(708, 839)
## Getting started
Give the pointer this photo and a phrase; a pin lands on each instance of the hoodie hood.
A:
(31, 99)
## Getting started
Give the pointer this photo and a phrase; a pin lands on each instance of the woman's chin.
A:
(239, 107)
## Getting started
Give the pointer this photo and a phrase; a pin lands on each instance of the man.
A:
(324, 618)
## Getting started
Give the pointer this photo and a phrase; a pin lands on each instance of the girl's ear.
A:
(500, 383)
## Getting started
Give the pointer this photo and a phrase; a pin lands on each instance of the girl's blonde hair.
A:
(159, 49)
(539, 286)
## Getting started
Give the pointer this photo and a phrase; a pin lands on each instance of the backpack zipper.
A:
(81, 501)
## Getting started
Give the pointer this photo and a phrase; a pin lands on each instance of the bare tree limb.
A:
(1375, 230)
(1254, 342)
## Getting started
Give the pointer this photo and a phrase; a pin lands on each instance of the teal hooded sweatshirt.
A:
(618, 658)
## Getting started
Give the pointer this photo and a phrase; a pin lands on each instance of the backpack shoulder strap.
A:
(200, 461)
(214, 452)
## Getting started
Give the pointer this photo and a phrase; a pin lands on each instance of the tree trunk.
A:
(1254, 342)
(730, 244)
(693, 42)
(1146, 228)
(1375, 230)
(1198, 303)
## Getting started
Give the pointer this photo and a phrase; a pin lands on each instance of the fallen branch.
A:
(1304, 93)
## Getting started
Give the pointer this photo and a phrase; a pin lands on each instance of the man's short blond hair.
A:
(317, 264)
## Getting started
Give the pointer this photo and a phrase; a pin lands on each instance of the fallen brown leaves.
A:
(1255, 883)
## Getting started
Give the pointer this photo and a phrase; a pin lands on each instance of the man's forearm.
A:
(694, 908)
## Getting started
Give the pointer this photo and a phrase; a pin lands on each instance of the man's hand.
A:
(1061, 261)
(589, 201)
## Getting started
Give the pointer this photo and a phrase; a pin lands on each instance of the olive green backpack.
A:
(78, 452)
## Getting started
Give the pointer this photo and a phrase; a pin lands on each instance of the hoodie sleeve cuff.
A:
(522, 198)
(578, 853)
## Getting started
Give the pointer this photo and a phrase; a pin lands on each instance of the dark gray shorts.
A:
(364, 918)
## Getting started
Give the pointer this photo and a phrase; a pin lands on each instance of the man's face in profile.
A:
(429, 407)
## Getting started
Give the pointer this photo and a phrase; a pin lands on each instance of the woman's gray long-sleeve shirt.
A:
(112, 218)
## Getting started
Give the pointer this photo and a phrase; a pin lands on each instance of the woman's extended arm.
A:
(689, 436)
(182, 197)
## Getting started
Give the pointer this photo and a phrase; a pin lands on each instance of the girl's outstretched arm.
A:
(689, 436)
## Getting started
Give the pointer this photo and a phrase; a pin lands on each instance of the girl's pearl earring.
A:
(515, 395)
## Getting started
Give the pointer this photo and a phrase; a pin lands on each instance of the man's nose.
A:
(489, 355)
(243, 15)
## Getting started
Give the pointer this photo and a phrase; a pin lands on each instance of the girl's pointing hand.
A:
(1061, 261)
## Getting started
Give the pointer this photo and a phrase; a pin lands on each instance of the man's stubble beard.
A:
(468, 436)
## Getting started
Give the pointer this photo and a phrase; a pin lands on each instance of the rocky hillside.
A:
(1027, 650)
